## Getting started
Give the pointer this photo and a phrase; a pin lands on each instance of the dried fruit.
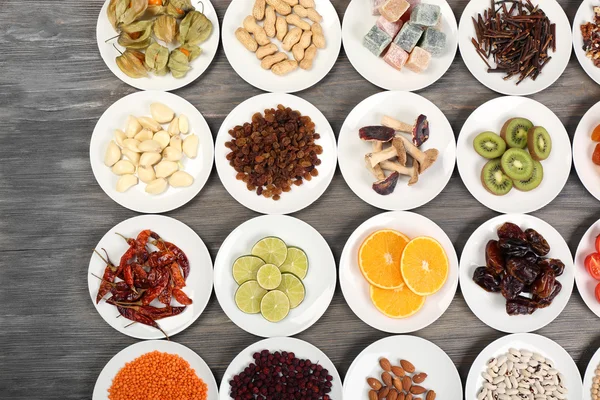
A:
(511, 287)
(508, 230)
(494, 259)
(385, 364)
(487, 280)
(522, 270)
(537, 242)
(419, 378)
(520, 306)
(374, 383)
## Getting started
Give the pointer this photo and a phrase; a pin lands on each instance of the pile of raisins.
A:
(515, 266)
(281, 376)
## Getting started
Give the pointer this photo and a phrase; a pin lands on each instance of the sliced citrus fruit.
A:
(268, 276)
(396, 303)
(275, 306)
(245, 268)
(424, 266)
(295, 263)
(271, 249)
(379, 258)
(248, 297)
(292, 286)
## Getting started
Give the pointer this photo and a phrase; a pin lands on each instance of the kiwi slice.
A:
(539, 143)
(489, 145)
(494, 180)
(514, 132)
(517, 164)
(534, 181)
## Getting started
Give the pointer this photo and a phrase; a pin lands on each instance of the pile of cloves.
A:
(517, 35)
(391, 150)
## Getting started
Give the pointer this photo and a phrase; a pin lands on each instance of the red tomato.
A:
(598, 244)
(597, 291)
(592, 265)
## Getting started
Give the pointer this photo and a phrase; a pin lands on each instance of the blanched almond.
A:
(184, 124)
(157, 186)
(144, 134)
(190, 146)
(174, 127)
(132, 156)
(120, 136)
(150, 146)
(112, 155)
(172, 154)
(161, 113)
(146, 173)
(163, 138)
(132, 126)
(181, 179)
(123, 167)
(132, 145)
(176, 143)
(149, 159)
(125, 182)
(149, 123)
(165, 168)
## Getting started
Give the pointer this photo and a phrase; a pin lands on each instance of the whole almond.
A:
(386, 378)
(374, 383)
(409, 396)
(372, 395)
(406, 383)
(417, 389)
(385, 364)
(407, 365)
(383, 392)
(430, 395)
(398, 371)
(393, 395)
(401, 396)
(397, 382)
(419, 378)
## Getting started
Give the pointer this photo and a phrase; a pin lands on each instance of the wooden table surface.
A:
(53, 88)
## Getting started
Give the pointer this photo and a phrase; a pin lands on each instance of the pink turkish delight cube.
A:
(418, 61)
(392, 10)
(391, 28)
(406, 16)
(396, 56)
(376, 4)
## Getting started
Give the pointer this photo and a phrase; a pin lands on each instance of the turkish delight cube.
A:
(409, 36)
(396, 56)
(406, 16)
(392, 10)
(375, 5)
(418, 61)
(425, 14)
(433, 41)
(376, 40)
(391, 28)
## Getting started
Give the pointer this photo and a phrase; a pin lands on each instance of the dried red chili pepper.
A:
(128, 276)
(182, 259)
(154, 291)
(160, 259)
(135, 316)
(107, 278)
(176, 274)
(166, 295)
(181, 297)
(140, 276)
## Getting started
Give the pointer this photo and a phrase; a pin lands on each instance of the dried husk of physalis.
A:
(157, 57)
(178, 8)
(135, 10)
(195, 28)
(131, 62)
(116, 8)
(179, 63)
(165, 28)
(190, 50)
(154, 11)
(137, 35)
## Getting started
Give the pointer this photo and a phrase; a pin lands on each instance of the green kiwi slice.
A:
(517, 164)
(514, 132)
(494, 180)
(489, 145)
(539, 143)
(534, 181)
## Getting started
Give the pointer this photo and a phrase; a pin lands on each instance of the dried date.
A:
(508, 230)
(513, 247)
(486, 279)
(538, 244)
(494, 259)
(531, 257)
(544, 284)
(522, 270)
(557, 266)
(521, 306)
(511, 287)
(543, 303)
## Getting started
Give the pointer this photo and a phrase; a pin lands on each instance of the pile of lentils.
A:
(281, 375)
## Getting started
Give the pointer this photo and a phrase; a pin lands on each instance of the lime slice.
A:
(248, 297)
(275, 306)
(295, 263)
(268, 276)
(245, 268)
(271, 249)
(292, 286)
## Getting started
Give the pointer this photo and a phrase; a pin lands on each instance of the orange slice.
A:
(379, 258)
(396, 303)
(424, 266)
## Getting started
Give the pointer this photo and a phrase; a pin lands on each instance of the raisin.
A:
(508, 230)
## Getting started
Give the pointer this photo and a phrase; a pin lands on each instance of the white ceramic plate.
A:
(358, 19)
(551, 72)
(589, 375)
(583, 148)
(319, 282)
(356, 289)
(532, 342)
(248, 66)
(406, 107)
(136, 350)
(136, 198)
(300, 196)
(585, 14)
(302, 349)
(199, 281)
(442, 376)
(104, 31)
(490, 308)
(586, 285)
(491, 116)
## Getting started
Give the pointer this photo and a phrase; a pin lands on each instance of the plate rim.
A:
(580, 272)
(589, 374)
(577, 163)
(579, 53)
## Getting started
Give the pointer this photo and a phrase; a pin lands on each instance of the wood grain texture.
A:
(54, 87)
